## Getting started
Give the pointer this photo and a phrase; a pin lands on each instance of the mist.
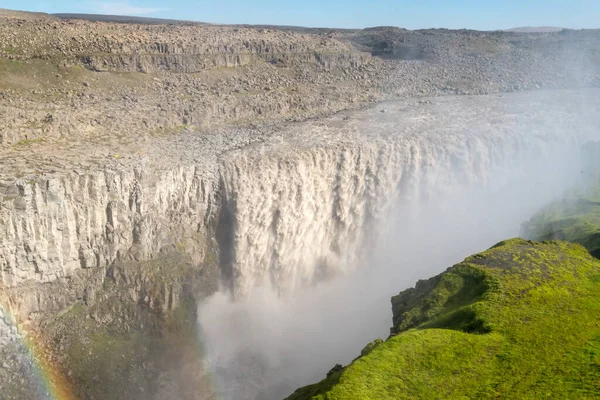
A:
(267, 345)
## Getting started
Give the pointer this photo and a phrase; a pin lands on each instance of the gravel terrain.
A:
(79, 79)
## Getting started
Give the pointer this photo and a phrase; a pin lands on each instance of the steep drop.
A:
(328, 220)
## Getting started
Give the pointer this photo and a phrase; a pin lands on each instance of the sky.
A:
(411, 14)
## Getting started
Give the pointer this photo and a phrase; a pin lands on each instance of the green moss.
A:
(520, 320)
(575, 218)
(370, 347)
(447, 296)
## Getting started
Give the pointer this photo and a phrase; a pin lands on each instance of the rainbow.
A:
(51, 382)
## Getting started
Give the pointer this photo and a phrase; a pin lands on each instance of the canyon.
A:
(157, 181)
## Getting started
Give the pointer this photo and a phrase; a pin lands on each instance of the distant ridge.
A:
(126, 19)
(26, 15)
(123, 19)
(535, 29)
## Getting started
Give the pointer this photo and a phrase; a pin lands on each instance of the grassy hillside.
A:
(575, 218)
(521, 320)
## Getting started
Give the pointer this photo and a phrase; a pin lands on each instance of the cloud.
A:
(120, 8)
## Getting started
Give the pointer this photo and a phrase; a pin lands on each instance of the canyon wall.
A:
(287, 208)
(80, 222)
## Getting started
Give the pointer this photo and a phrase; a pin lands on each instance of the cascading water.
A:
(401, 194)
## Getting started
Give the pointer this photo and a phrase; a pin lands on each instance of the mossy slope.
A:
(520, 320)
(575, 218)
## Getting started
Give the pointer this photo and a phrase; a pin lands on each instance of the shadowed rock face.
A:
(132, 335)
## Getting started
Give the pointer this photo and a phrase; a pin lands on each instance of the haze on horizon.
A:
(411, 14)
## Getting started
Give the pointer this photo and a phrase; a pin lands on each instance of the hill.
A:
(535, 29)
(24, 15)
(575, 218)
(125, 19)
(520, 320)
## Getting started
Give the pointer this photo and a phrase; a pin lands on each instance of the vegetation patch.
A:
(520, 320)
(575, 218)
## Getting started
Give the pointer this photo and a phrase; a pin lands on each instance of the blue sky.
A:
(411, 14)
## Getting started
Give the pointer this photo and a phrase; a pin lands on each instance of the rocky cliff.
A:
(184, 192)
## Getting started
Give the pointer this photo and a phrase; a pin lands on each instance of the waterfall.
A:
(302, 210)
(325, 221)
